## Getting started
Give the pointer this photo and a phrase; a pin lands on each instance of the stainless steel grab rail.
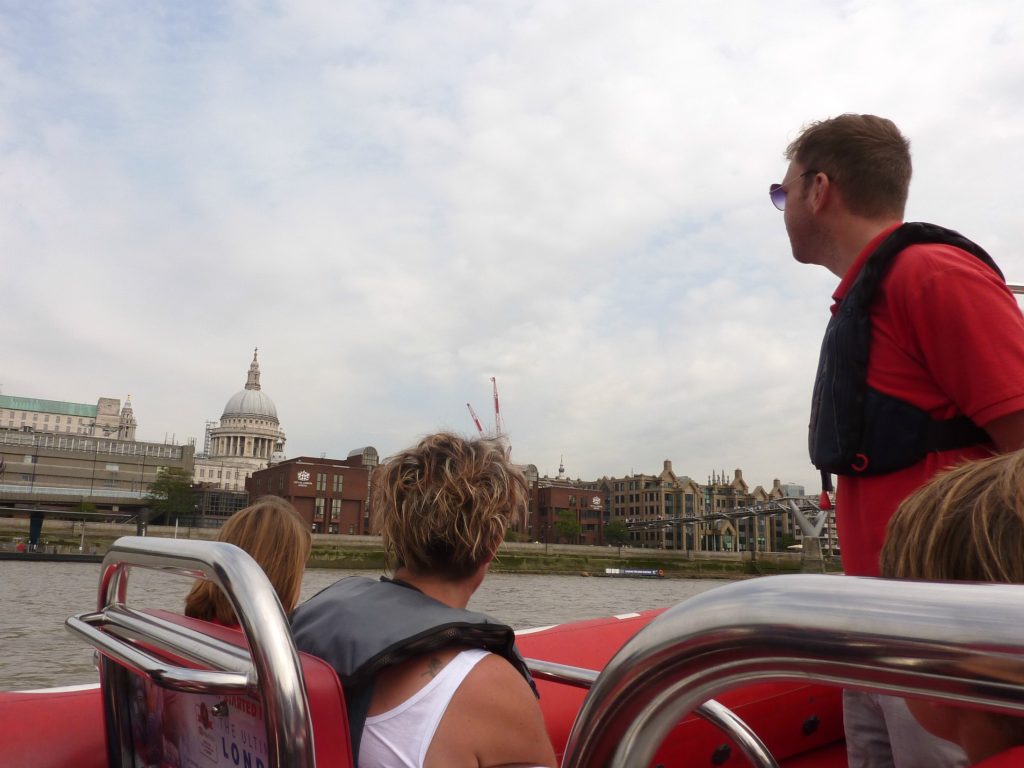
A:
(712, 711)
(273, 672)
(958, 643)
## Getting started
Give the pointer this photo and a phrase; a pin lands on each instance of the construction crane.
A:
(499, 429)
(476, 420)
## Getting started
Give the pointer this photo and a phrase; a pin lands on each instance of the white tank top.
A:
(400, 737)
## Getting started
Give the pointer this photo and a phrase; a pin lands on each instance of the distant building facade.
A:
(652, 505)
(247, 438)
(105, 419)
(576, 502)
(330, 494)
(60, 471)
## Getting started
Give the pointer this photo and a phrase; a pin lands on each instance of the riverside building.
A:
(104, 419)
(330, 494)
(51, 473)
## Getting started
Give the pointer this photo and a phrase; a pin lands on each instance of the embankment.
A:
(366, 553)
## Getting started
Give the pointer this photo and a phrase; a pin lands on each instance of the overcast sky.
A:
(396, 201)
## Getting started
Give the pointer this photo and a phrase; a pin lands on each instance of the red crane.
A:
(476, 420)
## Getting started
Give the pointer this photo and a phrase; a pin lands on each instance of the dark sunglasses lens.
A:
(778, 195)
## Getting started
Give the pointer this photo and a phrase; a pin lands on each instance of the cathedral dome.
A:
(251, 401)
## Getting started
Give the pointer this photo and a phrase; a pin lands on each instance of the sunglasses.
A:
(777, 192)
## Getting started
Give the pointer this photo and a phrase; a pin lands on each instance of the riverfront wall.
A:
(366, 552)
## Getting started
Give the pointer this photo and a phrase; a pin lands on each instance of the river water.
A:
(36, 651)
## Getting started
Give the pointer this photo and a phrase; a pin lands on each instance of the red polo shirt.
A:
(948, 337)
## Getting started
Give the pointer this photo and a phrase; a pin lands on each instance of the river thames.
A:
(36, 651)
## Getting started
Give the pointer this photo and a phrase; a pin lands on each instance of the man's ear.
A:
(821, 192)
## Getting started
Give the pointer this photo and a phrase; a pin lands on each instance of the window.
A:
(338, 481)
(318, 513)
(335, 510)
(113, 468)
(321, 481)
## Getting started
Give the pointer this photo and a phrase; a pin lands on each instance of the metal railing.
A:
(60, 490)
(957, 643)
(712, 711)
(272, 672)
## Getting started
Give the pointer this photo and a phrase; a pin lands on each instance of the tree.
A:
(170, 494)
(616, 533)
(567, 526)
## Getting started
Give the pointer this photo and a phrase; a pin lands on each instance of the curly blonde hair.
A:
(277, 538)
(966, 524)
(443, 505)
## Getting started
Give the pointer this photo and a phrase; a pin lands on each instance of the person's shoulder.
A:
(507, 725)
(924, 259)
(936, 273)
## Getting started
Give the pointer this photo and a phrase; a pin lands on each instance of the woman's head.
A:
(966, 524)
(443, 505)
(277, 538)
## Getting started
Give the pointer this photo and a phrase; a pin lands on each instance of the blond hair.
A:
(443, 505)
(277, 538)
(966, 524)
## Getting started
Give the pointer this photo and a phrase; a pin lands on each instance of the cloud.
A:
(396, 202)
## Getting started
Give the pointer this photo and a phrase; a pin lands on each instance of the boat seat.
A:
(331, 743)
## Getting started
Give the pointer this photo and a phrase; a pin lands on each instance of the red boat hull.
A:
(801, 724)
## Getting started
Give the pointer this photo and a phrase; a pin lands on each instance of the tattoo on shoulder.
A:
(433, 667)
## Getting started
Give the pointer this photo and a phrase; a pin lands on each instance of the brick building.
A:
(580, 502)
(330, 494)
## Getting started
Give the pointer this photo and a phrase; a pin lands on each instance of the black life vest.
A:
(360, 626)
(854, 428)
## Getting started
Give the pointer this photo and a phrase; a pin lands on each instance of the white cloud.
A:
(397, 201)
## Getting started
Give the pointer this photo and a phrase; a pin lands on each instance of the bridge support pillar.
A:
(35, 529)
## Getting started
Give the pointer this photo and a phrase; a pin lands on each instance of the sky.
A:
(396, 201)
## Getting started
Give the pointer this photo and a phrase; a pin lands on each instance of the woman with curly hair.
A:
(427, 682)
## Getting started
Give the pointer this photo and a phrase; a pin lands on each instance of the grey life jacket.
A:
(854, 428)
(360, 626)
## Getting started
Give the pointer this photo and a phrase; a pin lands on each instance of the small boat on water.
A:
(746, 674)
(635, 573)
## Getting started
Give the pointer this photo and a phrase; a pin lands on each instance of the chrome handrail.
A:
(272, 672)
(718, 714)
(957, 643)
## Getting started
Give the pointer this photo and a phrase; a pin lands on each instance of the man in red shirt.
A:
(944, 342)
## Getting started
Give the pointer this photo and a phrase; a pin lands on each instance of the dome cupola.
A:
(252, 401)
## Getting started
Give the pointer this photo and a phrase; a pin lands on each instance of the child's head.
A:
(277, 538)
(966, 524)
